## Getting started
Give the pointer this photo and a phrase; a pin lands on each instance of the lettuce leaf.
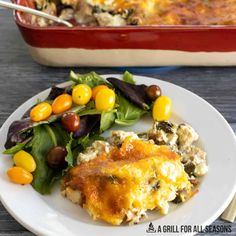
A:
(92, 79)
(128, 78)
(44, 139)
(14, 149)
(127, 113)
(69, 157)
(107, 120)
(90, 110)
(75, 146)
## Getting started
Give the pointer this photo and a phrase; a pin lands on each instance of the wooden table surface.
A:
(21, 78)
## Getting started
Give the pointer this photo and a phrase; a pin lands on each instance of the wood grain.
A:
(21, 78)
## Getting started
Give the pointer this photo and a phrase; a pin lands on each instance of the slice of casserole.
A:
(121, 185)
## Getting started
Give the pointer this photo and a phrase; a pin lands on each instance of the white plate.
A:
(54, 215)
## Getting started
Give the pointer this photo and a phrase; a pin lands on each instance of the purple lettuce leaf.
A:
(19, 130)
(134, 93)
(57, 91)
(87, 123)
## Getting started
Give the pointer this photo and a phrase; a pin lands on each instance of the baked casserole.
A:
(139, 12)
(119, 179)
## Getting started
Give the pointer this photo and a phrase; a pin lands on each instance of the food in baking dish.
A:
(139, 12)
(119, 179)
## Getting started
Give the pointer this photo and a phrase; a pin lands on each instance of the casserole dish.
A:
(128, 45)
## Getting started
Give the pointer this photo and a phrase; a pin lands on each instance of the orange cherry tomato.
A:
(41, 111)
(18, 175)
(61, 103)
(97, 89)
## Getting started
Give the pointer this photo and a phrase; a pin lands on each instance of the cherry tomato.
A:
(70, 121)
(153, 92)
(56, 157)
(105, 100)
(97, 89)
(18, 175)
(62, 103)
(162, 108)
(25, 160)
(81, 94)
(41, 111)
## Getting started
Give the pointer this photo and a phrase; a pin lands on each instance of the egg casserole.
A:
(121, 183)
(140, 12)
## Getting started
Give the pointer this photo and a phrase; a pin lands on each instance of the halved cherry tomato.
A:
(97, 89)
(41, 111)
(25, 160)
(162, 108)
(62, 103)
(81, 94)
(18, 175)
(105, 99)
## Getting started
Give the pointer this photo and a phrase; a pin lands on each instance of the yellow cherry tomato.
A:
(18, 175)
(41, 111)
(62, 103)
(81, 94)
(25, 160)
(105, 100)
(162, 108)
(97, 89)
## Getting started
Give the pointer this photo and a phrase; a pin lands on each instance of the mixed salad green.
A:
(39, 137)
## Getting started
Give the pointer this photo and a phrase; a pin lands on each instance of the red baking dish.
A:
(128, 46)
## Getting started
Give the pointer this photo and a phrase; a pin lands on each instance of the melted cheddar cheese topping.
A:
(136, 177)
(169, 12)
(139, 12)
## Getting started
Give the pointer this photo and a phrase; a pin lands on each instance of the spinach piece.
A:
(69, 157)
(127, 113)
(126, 122)
(62, 137)
(89, 110)
(75, 146)
(128, 78)
(107, 120)
(166, 126)
(95, 135)
(14, 149)
(44, 139)
(88, 139)
(84, 141)
(92, 79)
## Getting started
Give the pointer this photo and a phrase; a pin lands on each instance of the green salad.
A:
(45, 143)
